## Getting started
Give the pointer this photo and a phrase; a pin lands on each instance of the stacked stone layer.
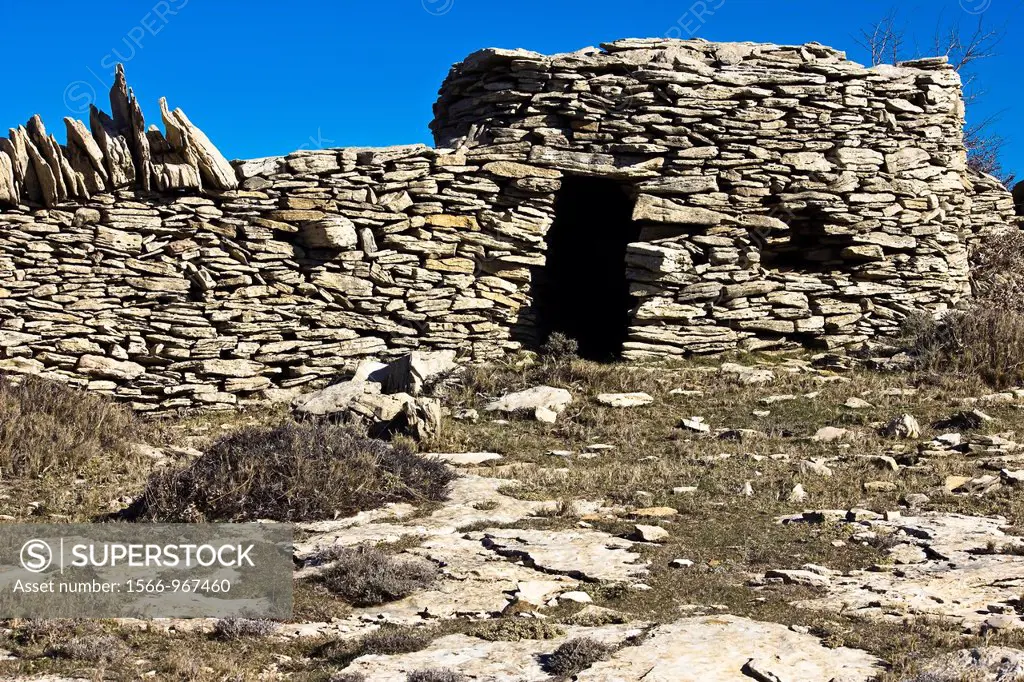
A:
(783, 195)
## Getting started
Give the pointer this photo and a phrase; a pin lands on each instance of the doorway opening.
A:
(583, 292)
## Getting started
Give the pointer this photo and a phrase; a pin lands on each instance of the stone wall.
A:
(782, 195)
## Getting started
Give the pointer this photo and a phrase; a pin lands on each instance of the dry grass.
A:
(997, 269)
(983, 341)
(109, 651)
(49, 428)
(294, 472)
(66, 454)
(516, 629)
(347, 677)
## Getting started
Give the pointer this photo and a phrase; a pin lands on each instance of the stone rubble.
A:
(783, 195)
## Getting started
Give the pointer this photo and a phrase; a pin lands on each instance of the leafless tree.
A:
(884, 39)
(965, 46)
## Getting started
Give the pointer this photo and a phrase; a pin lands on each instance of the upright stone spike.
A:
(8, 189)
(114, 146)
(120, 110)
(140, 144)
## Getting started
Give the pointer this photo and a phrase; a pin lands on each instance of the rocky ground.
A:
(771, 518)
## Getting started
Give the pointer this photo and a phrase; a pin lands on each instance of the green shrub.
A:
(294, 472)
(48, 427)
(367, 576)
(984, 342)
(576, 655)
(559, 348)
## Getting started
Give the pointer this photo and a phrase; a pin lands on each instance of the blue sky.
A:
(265, 78)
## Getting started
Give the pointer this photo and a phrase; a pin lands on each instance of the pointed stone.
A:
(186, 138)
(85, 157)
(31, 185)
(8, 149)
(73, 180)
(79, 135)
(14, 145)
(50, 155)
(140, 143)
(170, 169)
(120, 109)
(116, 152)
(47, 183)
(8, 190)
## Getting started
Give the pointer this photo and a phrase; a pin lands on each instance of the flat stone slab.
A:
(464, 459)
(468, 492)
(474, 581)
(732, 649)
(981, 664)
(532, 399)
(944, 571)
(482, 660)
(625, 399)
(585, 554)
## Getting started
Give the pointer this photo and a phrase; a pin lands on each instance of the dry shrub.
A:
(983, 342)
(390, 640)
(234, 629)
(347, 677)
(516, 630)
(367, 576)
(436, 675)
(306, 471)
(88, 648)
(576, 655)
(997, 269)
(48, 427)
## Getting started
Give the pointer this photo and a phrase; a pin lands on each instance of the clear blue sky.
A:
(265, 78)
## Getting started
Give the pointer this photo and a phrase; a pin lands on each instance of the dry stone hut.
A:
(649, 198)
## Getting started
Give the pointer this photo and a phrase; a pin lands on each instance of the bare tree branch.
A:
(886, 40)
(883, 39)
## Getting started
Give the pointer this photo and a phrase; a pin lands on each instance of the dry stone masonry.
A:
(773, 195)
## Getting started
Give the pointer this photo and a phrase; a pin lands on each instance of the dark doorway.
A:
(583, 292)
